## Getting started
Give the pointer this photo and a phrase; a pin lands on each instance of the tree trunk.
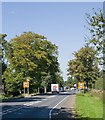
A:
(45, 89)
(87, 84)
(38, 89)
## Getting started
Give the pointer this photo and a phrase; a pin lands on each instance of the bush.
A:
(99, 84)
(96, 93)
(16, 93)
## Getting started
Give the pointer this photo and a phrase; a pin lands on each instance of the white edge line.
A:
(56, 106)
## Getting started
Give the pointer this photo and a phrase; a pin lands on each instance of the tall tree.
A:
(31, 57)
(3, 65)
(84, 67)
(3, 46)
(71, 81)
(96, 24)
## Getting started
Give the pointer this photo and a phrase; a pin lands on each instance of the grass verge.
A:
(88, 106)
(9, 98)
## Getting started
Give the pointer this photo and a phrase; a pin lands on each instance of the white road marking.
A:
(56, 106)
(31, 103)
(20, 107)
(52, 96)
(45, 99)
(11, 110)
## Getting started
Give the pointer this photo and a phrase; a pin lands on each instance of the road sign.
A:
(54, 87)
(80, 85)
(26, 84)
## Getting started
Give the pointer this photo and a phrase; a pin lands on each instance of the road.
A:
(36, 107)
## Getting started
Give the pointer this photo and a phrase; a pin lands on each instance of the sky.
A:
(61, 22)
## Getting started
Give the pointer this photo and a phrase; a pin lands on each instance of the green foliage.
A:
(59, 79)
(13, 81)
(84, 67)
(98, 94)
(2, 50)
(30, 56)
(70, 82)
(96, 24)
(4, 66)
(99, 84)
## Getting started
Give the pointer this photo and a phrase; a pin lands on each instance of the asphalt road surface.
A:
(36, 107)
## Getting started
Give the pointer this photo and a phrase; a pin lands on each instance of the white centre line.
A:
(55, 107)
(52, 96)
(12, 110)
(19, 107)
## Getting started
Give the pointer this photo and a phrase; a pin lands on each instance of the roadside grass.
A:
(88, 106)
(6, 98)
(10, 97)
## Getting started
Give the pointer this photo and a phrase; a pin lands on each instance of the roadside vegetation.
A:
(32, 57)
(29, 57)
(9, 97)
(87, 67)
(89, 105)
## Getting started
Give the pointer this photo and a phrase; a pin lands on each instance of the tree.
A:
(33, 57)
(96, 24)
(70, 81)
(84, 67)
(3, 65)
(2, 51)
(99, 85)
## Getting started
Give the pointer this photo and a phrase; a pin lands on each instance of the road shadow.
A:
(25, 99)
(30, 97)
(29, 113)
(60, 93)
(37, 113)
(70, 114)
(42, 113)
(35, 98)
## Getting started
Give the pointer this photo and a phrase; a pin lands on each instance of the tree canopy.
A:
(84, 67)
(96, 24)
(30, 56)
